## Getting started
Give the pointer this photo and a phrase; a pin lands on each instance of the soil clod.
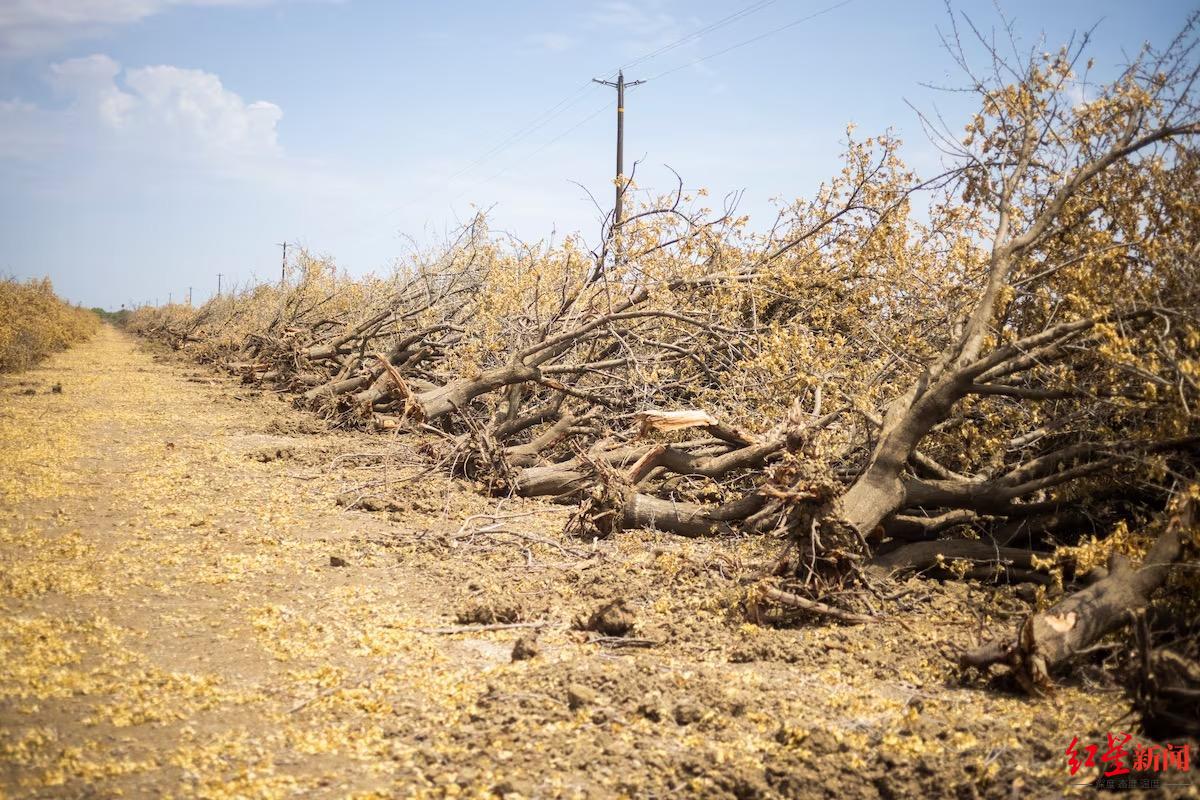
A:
(611, 619)
(526, 648)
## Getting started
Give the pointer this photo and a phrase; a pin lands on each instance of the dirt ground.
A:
(194, 605)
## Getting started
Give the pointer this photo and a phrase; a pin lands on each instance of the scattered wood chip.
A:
(666, 421)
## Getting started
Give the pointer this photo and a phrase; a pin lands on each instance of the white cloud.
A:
(192, 105)
(165, 112)
(91, 83)
(33, 26)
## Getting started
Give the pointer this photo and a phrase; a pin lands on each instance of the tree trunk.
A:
(1049, 639)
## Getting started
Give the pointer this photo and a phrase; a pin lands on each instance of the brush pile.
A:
(998, 383)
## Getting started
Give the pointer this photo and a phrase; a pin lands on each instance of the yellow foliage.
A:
(34, 322)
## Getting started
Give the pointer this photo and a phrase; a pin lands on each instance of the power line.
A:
(582, 91)
(694, 35)
(522, 159)
(539, 122)
(752, 40)
(698, 33)
(571, 100)
(557, 109)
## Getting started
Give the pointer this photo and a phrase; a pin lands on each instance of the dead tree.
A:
(1041, 172)
(881, 386)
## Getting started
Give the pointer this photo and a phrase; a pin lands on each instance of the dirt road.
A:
(173, 624)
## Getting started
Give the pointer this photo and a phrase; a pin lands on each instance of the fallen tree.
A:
(1001, 371)
(1048, 640)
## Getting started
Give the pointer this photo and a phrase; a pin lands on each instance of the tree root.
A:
(795, 601)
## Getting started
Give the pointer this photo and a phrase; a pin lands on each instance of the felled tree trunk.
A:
(429, 403)
(686, 519)
(1051, 638)
(988, 561)
(551, 480)
(447, 399)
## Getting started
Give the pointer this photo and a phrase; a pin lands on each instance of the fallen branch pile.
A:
(963, 390)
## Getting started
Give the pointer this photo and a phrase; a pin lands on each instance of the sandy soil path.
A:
(165, 597)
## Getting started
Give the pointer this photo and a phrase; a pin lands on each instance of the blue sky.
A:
(147, 145)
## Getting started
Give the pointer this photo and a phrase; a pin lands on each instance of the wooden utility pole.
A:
(218, 284)
(283, 264)
(189, 297)
(618, 206)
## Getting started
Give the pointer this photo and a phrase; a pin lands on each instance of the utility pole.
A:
(283, 264)
(218, 284)
(618, 206)
(189, 297)
(169, 297)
